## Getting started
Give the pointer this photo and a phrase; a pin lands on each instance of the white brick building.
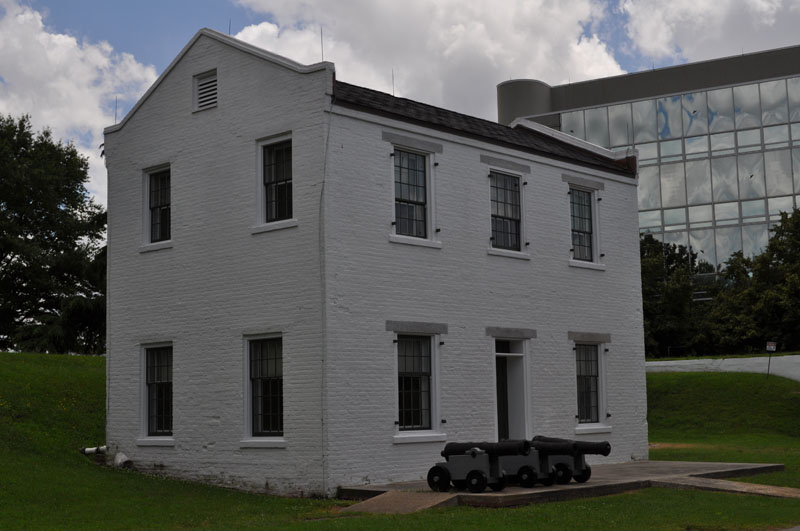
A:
(313, 284)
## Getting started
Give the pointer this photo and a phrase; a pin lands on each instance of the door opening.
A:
(510, 378)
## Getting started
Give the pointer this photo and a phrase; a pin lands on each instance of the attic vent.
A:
(205, 91)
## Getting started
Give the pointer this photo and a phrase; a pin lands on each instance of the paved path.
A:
(786, 366)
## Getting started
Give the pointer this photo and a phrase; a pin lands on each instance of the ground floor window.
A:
(414, 381)
(266, 386)
(588, 372)
(159, 390)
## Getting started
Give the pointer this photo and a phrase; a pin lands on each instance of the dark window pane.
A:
(414, 382)
(278, 181)
(410, 196)
(586, 362)
(159, 390)
(581, 214)
(505, 199)
(266, 385)
(159, 204)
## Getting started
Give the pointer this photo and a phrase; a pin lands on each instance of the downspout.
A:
(328, 102)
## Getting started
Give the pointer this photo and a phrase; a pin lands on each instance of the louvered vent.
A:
(205, 93)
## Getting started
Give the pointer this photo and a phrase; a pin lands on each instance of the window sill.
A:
(410, 240)
(418, 437)
(587, 265)
(586, 429)
(149, 247)
(155, 441)
(266, 442)
(519, 255)
(275, 225)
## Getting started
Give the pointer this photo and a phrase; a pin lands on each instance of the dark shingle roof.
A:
(521, 138)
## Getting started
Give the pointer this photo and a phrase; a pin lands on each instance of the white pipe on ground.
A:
(94, 450)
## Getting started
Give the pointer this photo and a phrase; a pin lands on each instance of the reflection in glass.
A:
(620, 124)
(720, 110)
(675, 216)
(748, 138)
(753, 208)
(669, 117)
(695, 115)
(796, 169)
(722, 141)
(723, 178)
(793, 85)
(572, 123)
(729, 241)
(650, 219)
(676, 238)
(698, 144)
(702, 243)
(647, 151)
(671, 148)
(796, 133)
(778, 171)
(773, 102)
(748, 113)
(699, 214)
(597, 126)
(754, 239)
(644, 121)
(673, 187)
(726, 211)
(698, 182)
(776, 134)
(751, 176)
(649, 189)
(779, 204)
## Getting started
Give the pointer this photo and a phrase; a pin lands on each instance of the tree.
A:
(50, 231)
(670, 278)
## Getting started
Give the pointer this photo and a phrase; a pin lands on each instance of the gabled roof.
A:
(230, 41)
(523, 137)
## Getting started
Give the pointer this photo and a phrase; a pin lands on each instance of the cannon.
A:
(564, 459)
(474, 466)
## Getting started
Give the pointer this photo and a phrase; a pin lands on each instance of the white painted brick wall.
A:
(219, 282)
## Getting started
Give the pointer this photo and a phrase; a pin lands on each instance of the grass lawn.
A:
(52, 405)
(726, 417)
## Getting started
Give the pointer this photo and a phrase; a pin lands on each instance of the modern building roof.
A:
(522, 138)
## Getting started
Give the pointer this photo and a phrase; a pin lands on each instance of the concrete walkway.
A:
(786, 366)
(606, 479)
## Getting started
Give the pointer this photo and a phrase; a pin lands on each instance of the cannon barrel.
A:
(521, 447)
(554, 445)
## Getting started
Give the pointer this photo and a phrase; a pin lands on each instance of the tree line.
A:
(689, 309)
(52, 250)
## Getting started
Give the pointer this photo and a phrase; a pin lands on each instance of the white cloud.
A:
(450, 53)
(696, 30)
(65, 84)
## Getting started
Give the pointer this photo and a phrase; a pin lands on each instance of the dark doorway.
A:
(501, 370)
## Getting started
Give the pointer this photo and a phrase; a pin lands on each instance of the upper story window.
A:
(205, 91)
(582, 224)
(410, 194)
(159, 202)
(506, 211)
(277, 172)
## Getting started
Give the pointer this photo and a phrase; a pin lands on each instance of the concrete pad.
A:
(786, 366)
(403, 502)
(606, 480)
(724, 485)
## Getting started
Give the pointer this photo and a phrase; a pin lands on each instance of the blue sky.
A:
(66, 62)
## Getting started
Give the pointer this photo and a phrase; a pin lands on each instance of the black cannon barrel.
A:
(521, 447)
(554, 445)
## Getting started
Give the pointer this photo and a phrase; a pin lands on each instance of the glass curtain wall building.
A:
(717, 164)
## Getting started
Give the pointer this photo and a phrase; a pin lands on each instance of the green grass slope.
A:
(52, 405)
(726, 417)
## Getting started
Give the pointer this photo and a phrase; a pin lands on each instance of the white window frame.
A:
(248, 439)
(603, 416)
(144, 411)
(525, 344)
(261, 224)
(196, 80)
(147, 244)
(431, 228)
(435, 433)
(593, 188)
(524, 244)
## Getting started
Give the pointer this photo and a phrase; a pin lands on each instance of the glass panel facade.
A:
(718, 162)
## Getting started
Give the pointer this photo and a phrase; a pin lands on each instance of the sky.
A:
(77, 66)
